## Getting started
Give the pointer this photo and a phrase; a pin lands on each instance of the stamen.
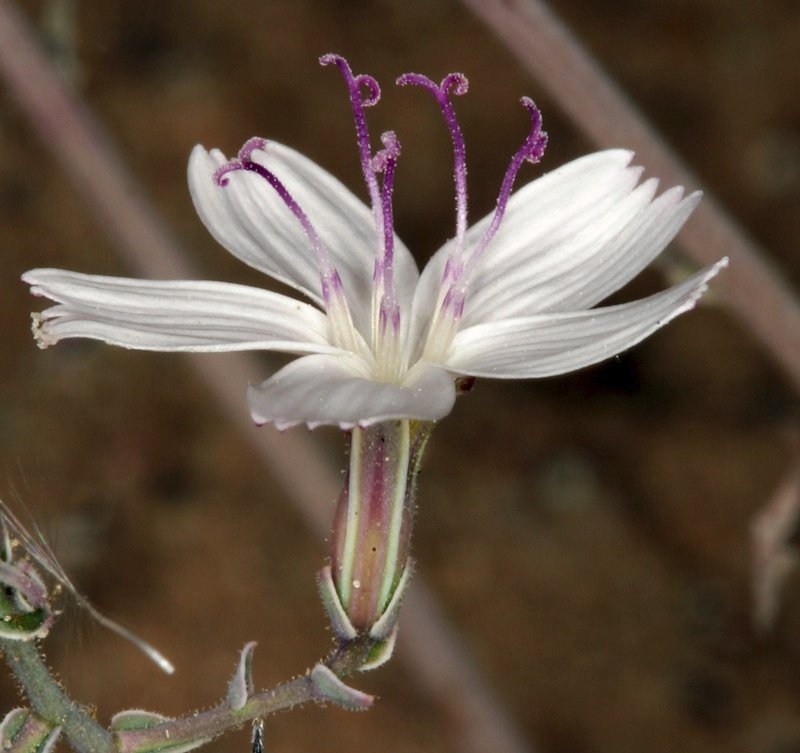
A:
(385, 161)
(358, 101)
(331, 284)
(531, 151)
(455, 278)
(245, 162)
(249, 146)
(386, 333)
(365, 92)
(458, 84)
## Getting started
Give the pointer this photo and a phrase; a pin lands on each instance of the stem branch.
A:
(49, 702)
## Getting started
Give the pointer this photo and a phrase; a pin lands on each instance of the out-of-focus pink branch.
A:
(68, 130)
(773, 553)
(751, 287)
(443, 670)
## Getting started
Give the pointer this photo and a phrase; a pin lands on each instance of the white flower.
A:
(511, 297)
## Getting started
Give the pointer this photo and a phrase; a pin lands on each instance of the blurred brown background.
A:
(588, 534)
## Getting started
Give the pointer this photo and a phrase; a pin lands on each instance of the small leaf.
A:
(24, 611)
(23, 732)
(49, 742)
(163, 746)
(385, 624)
(134, 719)
(131, 728)
(240, 687)
(380, 653)
(328, 687)
(340, 623)
(12, 724)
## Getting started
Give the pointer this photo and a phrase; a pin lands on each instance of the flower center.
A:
(388, 356)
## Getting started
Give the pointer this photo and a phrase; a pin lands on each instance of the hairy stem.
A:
(49, 700)
(209, 724)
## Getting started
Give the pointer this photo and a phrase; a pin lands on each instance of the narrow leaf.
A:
(135, 719)
(240, 687)
(24, 732)
(328, 687)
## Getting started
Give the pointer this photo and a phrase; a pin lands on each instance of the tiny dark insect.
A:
(258, 736)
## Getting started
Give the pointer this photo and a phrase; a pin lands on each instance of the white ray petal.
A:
(577, 196)
(172, 315)
(576, 266)
(323, 389)
(549, 344)
(271, 244)
(551, 235)
(248, 217)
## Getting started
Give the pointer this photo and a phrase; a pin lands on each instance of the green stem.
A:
(49, 700)
(209, 724)
(206, 725)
